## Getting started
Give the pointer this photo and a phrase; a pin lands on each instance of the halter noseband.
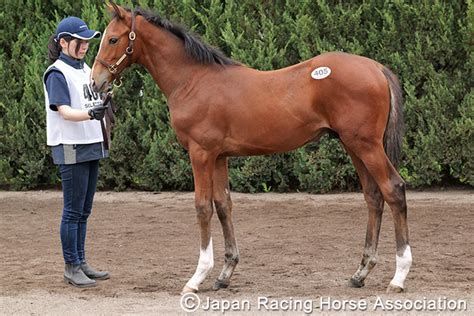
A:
(113, 68)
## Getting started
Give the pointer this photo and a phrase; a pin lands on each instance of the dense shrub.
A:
(427, 43)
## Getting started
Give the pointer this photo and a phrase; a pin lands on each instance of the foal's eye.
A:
(113, 41)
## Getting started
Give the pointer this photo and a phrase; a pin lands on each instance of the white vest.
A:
(61, 131)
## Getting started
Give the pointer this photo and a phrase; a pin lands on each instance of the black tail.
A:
(393, 137)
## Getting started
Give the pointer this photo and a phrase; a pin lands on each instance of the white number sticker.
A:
(321, 73)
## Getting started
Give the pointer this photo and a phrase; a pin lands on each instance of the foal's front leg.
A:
(203, 166)
(223, 204)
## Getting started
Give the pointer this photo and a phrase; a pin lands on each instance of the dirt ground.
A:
(291, 246)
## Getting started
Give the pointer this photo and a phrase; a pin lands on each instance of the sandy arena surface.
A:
(292, 246)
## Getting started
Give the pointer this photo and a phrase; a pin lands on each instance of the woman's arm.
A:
(71, 114)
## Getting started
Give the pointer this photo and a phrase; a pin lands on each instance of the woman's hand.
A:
(97, 112)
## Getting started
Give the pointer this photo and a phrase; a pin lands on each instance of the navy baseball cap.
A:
(76, 28)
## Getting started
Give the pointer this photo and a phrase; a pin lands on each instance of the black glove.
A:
(97, 112)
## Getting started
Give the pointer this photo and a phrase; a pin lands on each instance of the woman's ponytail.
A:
(53, 49)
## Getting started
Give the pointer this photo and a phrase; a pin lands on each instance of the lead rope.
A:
(108, 121)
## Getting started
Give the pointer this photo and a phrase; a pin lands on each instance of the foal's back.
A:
(254, 112)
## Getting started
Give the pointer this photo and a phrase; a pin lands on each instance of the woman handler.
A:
(73, 114)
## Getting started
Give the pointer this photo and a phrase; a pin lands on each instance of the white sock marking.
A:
(205, 265)
(403, 267)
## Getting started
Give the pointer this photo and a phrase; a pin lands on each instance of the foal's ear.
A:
(113, 8)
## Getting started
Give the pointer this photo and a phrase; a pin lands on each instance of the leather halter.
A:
(113, 68)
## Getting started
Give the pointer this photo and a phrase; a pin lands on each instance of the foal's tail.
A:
(393, 137)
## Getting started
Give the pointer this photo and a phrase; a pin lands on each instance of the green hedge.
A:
(428, 44)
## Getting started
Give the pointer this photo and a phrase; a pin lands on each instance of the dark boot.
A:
(93, 274)
(75, 276)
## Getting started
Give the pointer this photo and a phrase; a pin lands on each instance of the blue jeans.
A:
(79, 183)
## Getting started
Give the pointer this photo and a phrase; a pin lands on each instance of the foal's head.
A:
(116, 48)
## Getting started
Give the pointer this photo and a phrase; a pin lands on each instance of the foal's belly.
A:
(276, 142)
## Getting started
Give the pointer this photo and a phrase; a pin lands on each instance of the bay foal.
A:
(220, 108)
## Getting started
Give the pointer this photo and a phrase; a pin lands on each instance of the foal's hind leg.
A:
(375, 203)
(392, 187)
(223, 204)
(203, 167)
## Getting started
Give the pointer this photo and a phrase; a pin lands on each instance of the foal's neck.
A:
(163, 55)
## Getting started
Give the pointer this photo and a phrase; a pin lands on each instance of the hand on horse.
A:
(97, 112)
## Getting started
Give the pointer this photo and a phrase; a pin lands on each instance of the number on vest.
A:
(89, 93)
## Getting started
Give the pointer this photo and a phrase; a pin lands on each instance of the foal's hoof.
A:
(394, 289)
(355, 283)
(219, 284)
(187, 289)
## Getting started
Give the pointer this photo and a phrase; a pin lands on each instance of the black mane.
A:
(193, 45)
